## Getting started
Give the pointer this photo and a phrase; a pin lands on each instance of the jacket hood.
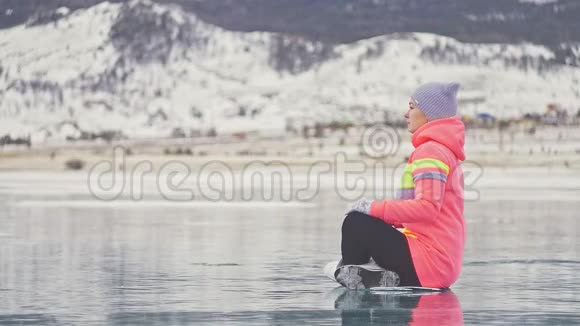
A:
(449, 132)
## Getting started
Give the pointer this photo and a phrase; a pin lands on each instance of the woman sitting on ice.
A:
(419, 238)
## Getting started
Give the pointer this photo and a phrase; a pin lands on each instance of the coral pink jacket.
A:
(430, 206)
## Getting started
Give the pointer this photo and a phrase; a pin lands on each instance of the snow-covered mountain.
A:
(144, 69)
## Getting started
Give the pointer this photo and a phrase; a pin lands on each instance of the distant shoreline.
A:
(44, 162)
(548, 147)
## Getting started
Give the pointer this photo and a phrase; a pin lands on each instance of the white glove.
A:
(362, 205)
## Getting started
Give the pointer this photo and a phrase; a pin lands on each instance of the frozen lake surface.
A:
(66, 259)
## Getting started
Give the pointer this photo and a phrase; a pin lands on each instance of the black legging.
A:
(364, 237)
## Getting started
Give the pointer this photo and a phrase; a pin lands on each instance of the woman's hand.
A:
(362, 205)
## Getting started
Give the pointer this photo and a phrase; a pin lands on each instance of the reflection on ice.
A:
(369, 308)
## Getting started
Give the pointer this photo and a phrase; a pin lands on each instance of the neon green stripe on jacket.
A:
(429, 163)
(407, 178)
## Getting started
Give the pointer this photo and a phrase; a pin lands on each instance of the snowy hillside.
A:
(144, 69)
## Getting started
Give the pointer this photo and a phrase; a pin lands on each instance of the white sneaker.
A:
(366, 276)
(357, 277)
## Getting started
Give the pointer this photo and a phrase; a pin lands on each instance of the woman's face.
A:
(415, 118)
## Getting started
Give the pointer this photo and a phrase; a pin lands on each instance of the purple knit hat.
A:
(437, 100)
